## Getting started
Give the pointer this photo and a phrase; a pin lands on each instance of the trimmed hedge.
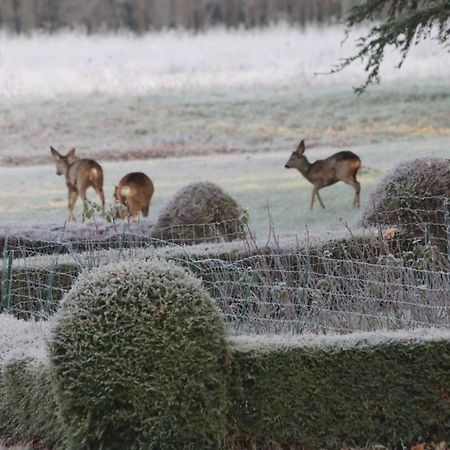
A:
(306, 392)
(199, 212)
(28, 406)
(137, 354)
(333, 392)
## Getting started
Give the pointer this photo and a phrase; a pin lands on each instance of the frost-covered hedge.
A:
(414, 196)
(333, 392)
(269, 392)
(199, 212)
(28, 407)
(137, 356)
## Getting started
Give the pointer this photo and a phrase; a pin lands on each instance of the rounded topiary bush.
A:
(412, 196)
(200, 212)
(137, 355)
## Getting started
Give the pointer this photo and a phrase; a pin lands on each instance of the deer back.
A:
(336, 167)
(85, 172)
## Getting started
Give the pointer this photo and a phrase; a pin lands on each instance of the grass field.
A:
(258, 181)
(211, 106)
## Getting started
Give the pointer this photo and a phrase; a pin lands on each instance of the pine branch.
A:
(406, 23)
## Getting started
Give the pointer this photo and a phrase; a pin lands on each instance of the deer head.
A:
(298, 160)
(62, 162)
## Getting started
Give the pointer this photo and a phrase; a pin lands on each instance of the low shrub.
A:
(415, 197)
(199, 212)
(137, 354)
(336, 392)
(28, 406)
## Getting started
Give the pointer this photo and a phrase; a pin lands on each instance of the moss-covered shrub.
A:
(137, 354)
(412, 196)
(199, 212)
(333, 392)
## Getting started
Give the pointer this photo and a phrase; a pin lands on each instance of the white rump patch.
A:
(125, 191)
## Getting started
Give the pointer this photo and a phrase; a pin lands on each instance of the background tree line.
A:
(23, 16)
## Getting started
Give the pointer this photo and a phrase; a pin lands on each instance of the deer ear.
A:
(301, 147)
(70, 157)
(55, 153)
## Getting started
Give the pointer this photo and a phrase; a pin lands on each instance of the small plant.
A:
(92, 209)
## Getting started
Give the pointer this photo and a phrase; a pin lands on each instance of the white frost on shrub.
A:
(20, 339)
(338, 341)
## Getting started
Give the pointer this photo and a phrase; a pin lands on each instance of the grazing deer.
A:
(135, 191)
(80, 174)
(342, 166)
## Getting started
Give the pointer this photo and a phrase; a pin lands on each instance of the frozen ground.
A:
(257, 181)
(239, 101)
(108, 127)
(127, 97)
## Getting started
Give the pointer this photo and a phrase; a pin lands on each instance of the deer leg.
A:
(82, 191)
(101, 194)
(320, 199)
(145, 210)
(356, 185)
(73, 195)
(313, 197)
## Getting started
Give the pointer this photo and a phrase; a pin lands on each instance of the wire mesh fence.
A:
(393, 275)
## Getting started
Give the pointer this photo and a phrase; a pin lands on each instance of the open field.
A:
(181, 123)
(257, 181)
(211, 106)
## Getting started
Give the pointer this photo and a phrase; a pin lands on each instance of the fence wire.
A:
(395, 275)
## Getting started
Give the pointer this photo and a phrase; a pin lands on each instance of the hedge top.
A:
(338, 341)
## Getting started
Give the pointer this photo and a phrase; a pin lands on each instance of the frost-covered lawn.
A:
(35, 193)
(121, 96)
(240, 101)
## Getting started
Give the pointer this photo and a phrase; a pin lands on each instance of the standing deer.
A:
(80, 174)
(135, 190)
(342, 166)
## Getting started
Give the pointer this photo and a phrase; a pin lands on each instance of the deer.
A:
(80, 174)
(342, 166)
(134, 191)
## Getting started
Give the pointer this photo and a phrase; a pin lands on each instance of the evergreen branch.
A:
(406, 23)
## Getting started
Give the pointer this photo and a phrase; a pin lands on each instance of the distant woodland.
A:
(23, 16)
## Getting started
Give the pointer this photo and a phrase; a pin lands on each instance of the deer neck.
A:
(305, 168)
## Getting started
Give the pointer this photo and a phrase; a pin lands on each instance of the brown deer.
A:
(134, 191)
(342, 166)
(80, 174)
